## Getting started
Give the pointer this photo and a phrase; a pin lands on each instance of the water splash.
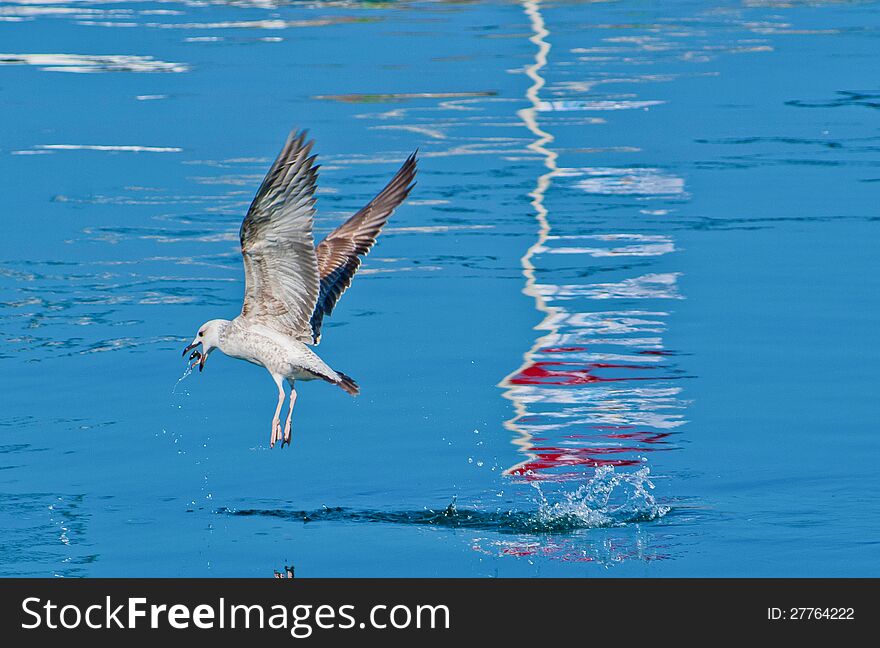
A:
(186, 373)
(609, 499)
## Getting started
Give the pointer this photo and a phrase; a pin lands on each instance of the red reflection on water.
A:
(558, 457)
(554, 457)
(542, 373)
(642, 437)
(570, 349)
(567, 550)
(605, 365)
(547, 457)
(519, 551)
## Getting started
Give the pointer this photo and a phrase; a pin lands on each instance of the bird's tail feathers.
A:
(348, 384)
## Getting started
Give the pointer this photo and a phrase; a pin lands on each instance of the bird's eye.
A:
(201, 333)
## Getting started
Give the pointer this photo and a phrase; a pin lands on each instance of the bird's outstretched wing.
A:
(339, 255)
(280, 264)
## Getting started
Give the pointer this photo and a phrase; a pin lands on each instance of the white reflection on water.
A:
(630, 181)
(258, 24)
(85, 63)
(101, 147)
(641, 245)
(566, 105)
(649, 286)
(576, 410)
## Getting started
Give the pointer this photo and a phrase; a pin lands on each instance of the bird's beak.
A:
(198, 356)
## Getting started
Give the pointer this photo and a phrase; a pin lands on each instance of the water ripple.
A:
(609, 499)
(85, 63)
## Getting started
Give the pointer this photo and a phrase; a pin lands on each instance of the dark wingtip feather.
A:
(348, 384)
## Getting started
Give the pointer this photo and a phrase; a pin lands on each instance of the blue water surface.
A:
(626, 325)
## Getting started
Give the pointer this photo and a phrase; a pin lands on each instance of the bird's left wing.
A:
(277, 246)
(339, 255)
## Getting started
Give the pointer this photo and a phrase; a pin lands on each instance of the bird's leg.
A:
(289, 415)
(276, 422)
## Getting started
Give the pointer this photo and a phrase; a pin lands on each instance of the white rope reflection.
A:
(529, 116)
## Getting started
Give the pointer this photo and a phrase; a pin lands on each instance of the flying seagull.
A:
(290, 285)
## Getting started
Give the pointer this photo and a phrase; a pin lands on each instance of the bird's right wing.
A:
(277, 246)
(339, 255)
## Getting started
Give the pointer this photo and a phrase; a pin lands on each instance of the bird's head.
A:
(209, 337)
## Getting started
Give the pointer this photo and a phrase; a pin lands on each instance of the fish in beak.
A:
(196, 355)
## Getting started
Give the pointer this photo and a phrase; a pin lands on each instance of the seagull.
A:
(290, 284)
